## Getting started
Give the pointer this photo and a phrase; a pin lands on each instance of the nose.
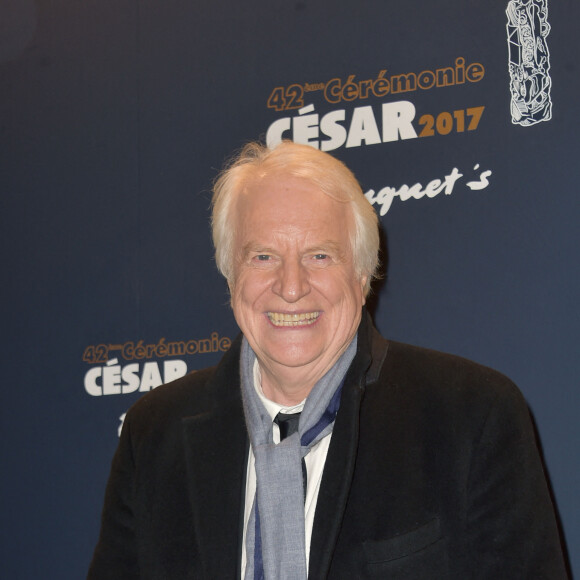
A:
(291, 282)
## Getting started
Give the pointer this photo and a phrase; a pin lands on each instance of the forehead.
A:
(291, 206)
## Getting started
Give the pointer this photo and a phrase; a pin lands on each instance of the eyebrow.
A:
(254, 247)
(326, 247)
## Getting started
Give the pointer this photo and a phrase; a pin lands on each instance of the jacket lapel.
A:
(216, 446)
(340, 462)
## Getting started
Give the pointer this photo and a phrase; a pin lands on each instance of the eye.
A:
(319, 260)
(262, 259)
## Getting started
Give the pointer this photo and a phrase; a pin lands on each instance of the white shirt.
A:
(315, 461)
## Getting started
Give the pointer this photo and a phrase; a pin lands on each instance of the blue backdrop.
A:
(459, 118)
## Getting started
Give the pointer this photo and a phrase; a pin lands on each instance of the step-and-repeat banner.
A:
(460, 120)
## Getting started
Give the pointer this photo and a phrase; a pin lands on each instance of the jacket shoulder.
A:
(441, 380)
(171, 402)
(431, 366)
(197, 392)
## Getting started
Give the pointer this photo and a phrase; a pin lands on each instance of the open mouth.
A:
(302, 319)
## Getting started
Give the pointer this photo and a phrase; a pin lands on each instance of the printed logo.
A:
(384, 198)
(529, 61)
(120, 427)
(380, 123)
(369, 125)
(138, 372)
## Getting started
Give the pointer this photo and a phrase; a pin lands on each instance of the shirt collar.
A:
(271, 407)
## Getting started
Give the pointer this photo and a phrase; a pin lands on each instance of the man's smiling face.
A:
(295, 296)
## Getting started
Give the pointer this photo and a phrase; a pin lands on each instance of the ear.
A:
(363, 283)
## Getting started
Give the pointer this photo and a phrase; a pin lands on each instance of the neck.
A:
(289, 386)
(285, 390)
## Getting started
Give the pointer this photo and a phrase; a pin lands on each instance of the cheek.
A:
(246, 292)
(340, 287)
(237, 291)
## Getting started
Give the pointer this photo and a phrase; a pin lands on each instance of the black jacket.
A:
(432, 473)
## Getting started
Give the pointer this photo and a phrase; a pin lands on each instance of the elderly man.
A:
(316, 448)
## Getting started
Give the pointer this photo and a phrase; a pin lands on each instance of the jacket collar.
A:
(340, 461)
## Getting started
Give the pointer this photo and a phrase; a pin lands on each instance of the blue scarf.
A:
(275, 541)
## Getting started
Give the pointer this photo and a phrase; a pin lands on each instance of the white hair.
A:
(303, 161)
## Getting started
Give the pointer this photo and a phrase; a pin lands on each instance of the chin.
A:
(293, 358)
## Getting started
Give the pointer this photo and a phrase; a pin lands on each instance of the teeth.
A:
(302, 319)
